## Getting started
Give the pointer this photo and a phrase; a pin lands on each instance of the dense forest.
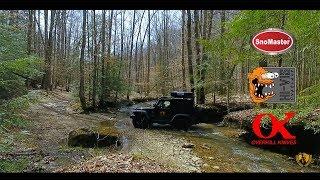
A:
(106, 55)
(103, 57)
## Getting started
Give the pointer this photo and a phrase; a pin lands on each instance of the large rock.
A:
(84, 137)
(188, 145)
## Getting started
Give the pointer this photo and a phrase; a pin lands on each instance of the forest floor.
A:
(42, 145)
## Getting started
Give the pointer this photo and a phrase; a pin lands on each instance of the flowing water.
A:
(224, 150)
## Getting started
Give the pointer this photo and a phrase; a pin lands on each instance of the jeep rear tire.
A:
(181, 123)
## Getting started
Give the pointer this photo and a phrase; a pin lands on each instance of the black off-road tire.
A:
(181, 124)
(141, 122)
(135, 122)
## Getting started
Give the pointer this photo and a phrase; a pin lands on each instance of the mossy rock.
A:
(87, 138)
(82, 137)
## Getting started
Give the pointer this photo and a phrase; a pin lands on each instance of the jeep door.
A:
(163, 111)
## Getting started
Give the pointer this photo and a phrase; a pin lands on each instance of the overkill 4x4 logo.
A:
(277, 127)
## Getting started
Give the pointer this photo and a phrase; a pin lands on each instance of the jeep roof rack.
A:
(182, 94)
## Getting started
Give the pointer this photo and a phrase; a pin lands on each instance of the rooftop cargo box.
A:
(182, 94)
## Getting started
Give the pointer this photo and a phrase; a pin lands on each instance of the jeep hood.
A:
(143, 108)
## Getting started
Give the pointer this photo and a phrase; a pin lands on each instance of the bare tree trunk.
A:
(89, 56)
(165, 70)
(109, 36)
(183, 51)
(163, 56)
(136, 50)
(95, 61)
(63, 46)
(40, 37)
(46, 68)
(222, 29)
(189, 49)
(68, 54)
(122, 34)
(56, 49)
(121, 43)
(30, 33)
(103, 72)
(149, 53)
(115, 34)
(104, 92)
(131, 49)
(142, 64)
(197, 46)
(48, 51)
(83, 46)
(202, 96)
(210, 19)
(36, 41)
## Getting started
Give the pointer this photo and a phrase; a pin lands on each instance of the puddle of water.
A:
(240, 152)
(125, 144)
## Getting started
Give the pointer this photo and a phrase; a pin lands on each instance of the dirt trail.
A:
(53, 118)
(51, 121)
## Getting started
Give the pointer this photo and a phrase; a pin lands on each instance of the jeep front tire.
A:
(140, 122)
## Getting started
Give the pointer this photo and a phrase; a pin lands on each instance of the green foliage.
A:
(10, 117)
(312, 90)
(5, 146)
(114, 80)
(234, 44)
(9, 111)
(30, 67)
(15, 65)
(13, 166)
(13, 75)
(304, 26)
(13, 42)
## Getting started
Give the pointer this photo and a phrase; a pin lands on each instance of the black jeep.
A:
(178, 110)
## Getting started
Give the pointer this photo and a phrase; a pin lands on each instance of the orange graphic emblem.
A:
(261, 84)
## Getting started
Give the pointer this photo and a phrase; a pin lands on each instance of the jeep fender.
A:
(186, 116)
(140, 113)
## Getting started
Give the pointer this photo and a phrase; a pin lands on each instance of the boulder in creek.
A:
(188, 145)
(88, 138)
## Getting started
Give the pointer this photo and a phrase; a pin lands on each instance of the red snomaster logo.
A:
(272, 41)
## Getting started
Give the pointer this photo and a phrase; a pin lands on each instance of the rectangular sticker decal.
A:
(273, 85)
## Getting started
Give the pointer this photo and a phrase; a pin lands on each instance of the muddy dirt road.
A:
(159, 149)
